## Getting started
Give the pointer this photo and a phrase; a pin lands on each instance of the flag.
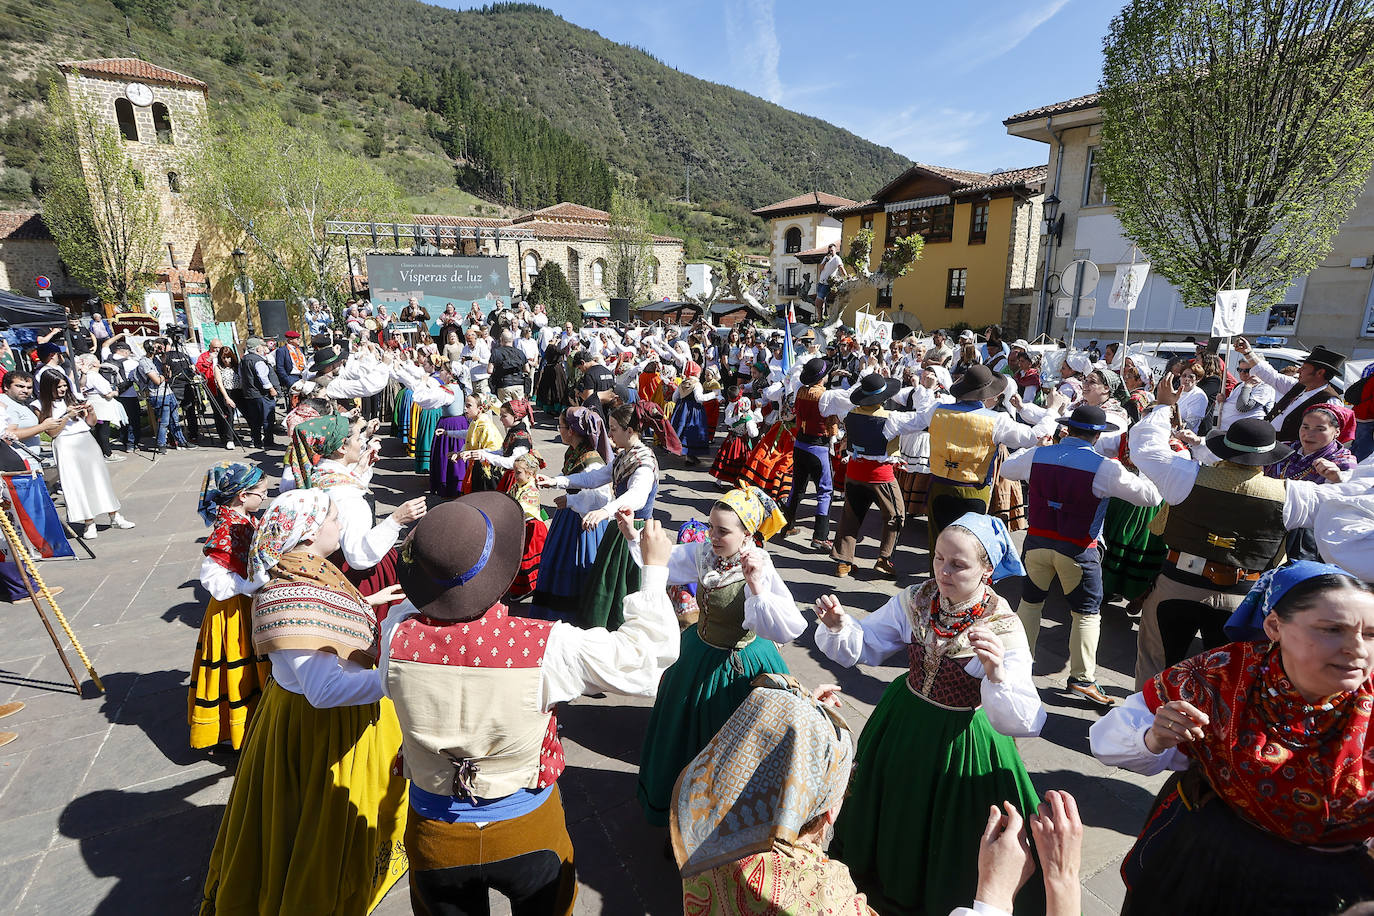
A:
(38, 516)
(787, 338)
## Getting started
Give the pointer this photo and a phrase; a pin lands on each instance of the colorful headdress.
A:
(757, 511)
(293, 517)
(312, 442)
(590, 426)
(1344, 417)
(1246, 622)
(222, 483)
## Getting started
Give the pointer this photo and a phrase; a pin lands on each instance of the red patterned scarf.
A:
(230, 539)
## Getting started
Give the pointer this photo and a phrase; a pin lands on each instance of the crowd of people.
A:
(1225, 506)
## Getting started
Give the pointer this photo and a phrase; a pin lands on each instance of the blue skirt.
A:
(401, 418)
(689, 420)
(569, 553)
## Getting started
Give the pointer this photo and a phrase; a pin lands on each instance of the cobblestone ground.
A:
(104, 808)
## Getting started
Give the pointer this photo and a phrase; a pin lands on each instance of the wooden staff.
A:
(29, 573)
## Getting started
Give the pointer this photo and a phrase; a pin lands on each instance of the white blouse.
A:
(773, 614)
(1118, 740)
(223, 584)
(363, 544)
(1013, 707)
(597, 493)
(325, 679)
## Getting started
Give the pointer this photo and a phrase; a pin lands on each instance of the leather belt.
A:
(812, 440)
(1223, 574)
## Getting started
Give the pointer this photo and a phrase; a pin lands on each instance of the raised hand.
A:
(1175, 722)
(830, 612)
(988, 648)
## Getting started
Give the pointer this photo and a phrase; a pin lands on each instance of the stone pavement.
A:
(104, 808)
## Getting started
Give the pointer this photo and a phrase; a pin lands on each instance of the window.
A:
(174, 182)
(935, 223)
(868, 222)
(885, 297)
(978, 223)
(792, 241)
(598, 274)
(954, 293)
(124, 114)
(1094, 194)
(162, 123)
(789, 286)
(575, 272)
(653, 271)
(531, 264)
(137, 177)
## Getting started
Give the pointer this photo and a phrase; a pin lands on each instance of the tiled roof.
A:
(480, 222)
(1012, 178)
(1078, 104)
(132, 68)
(567, 211)
(958, 176)
(23, 225)
(597, 231)
(861, 207)
(815, 200)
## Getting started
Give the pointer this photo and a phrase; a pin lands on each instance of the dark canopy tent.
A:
(23, 312)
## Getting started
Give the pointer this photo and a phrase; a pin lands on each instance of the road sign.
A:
(1079, 277)
(42, 282)
(1087, 308)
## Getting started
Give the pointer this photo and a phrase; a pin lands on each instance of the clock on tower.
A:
(139, 94)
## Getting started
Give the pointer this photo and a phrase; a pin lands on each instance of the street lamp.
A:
(241, 264)
(1054, 233)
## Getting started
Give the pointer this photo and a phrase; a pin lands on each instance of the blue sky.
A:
(932, 79)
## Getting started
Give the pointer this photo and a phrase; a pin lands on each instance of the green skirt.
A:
(924, 778)
(1131, 555)
(695, 698)
(613, 576)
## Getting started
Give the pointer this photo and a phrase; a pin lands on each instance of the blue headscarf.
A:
(223, 482)
(1246, 623)
(992, 533)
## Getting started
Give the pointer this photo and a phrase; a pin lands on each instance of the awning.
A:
(663, 308)
(939, 200)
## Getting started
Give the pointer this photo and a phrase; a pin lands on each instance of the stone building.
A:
(1332, 306)
(27, 252)
(578, 238)
(797, 226)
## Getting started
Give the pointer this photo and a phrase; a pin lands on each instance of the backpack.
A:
(114, 374)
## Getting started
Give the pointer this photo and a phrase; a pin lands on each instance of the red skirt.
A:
(373, 580)
(712, 409)
(536, 531)
(730, 460)
(769, 465)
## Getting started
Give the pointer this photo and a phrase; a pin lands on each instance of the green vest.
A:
(721, 623)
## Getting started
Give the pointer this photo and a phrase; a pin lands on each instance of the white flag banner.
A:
(1130, 280)
(1228, 318)
(883, 334)
(864, 327)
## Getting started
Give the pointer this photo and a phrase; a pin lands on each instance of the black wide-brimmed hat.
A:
(327, 358)
(813, 370)
(1323, 358)
(873, 389)
(463, 555)
(1087, 417)
(1251, 442)
(978, 383)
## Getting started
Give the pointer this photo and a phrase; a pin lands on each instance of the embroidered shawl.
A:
(309, 604)
(786, 880)
(629, 460)
(1304, 773)
(924, 606)
(579, 458)
(230, 540)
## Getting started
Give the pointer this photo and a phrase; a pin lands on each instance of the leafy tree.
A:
(550, 288)
(1236, 135)
(107, 222)
(276, 187)
(632, 244)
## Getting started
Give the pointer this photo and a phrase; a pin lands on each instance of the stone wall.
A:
(156, 160)
(21, 260)
(671, 264)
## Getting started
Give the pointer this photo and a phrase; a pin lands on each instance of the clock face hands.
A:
(139, 94)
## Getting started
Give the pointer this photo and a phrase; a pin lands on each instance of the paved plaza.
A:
(104, 807)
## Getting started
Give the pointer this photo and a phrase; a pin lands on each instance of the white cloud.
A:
(935, 136)
(751, 39)
(991, 37)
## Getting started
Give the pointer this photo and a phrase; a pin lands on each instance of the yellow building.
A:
(982, 235)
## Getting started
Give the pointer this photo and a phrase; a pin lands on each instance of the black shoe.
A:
(187, 445)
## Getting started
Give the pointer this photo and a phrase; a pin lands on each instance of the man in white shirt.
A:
(21, 423)
(1312, 386)
(1251, 398)
(831, 266)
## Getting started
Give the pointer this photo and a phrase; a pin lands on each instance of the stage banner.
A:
(436, 281)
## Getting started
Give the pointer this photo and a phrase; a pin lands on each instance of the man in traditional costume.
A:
(475, 691)
(1295, 395)
(811, 452)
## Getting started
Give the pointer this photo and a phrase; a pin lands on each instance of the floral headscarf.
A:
(780, 760)
(222, 483)
(518, 408)
(757, 511)
(298, 415)
(293, 517)
(312, 442)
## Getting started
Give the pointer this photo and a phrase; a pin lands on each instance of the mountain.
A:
(509, 91)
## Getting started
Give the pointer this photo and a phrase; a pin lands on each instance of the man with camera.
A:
(153, 378)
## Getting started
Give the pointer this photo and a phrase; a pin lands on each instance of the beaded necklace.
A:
(1282, 708)
(948, 621)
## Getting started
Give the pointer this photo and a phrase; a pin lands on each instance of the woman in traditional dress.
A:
(551, 391)
(741, 432)
(570, 550)
(446, 466)
(226, 676)
(650, 386)
(333, 454)
(80, 466)
(1269, 810)
(689, 416)
(630, 481)
(516, 441)
(744, 609)
(913, 475)
(485, 433)
(1326, 430)
(938, 750)
(316, 818)
(523, 489)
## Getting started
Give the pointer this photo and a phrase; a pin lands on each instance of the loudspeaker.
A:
(272, 322)
(620, 310)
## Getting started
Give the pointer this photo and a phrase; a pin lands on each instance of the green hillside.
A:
(511, 103)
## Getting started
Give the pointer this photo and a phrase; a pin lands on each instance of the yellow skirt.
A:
(226, 678)
(414, 428)
(316, 819)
